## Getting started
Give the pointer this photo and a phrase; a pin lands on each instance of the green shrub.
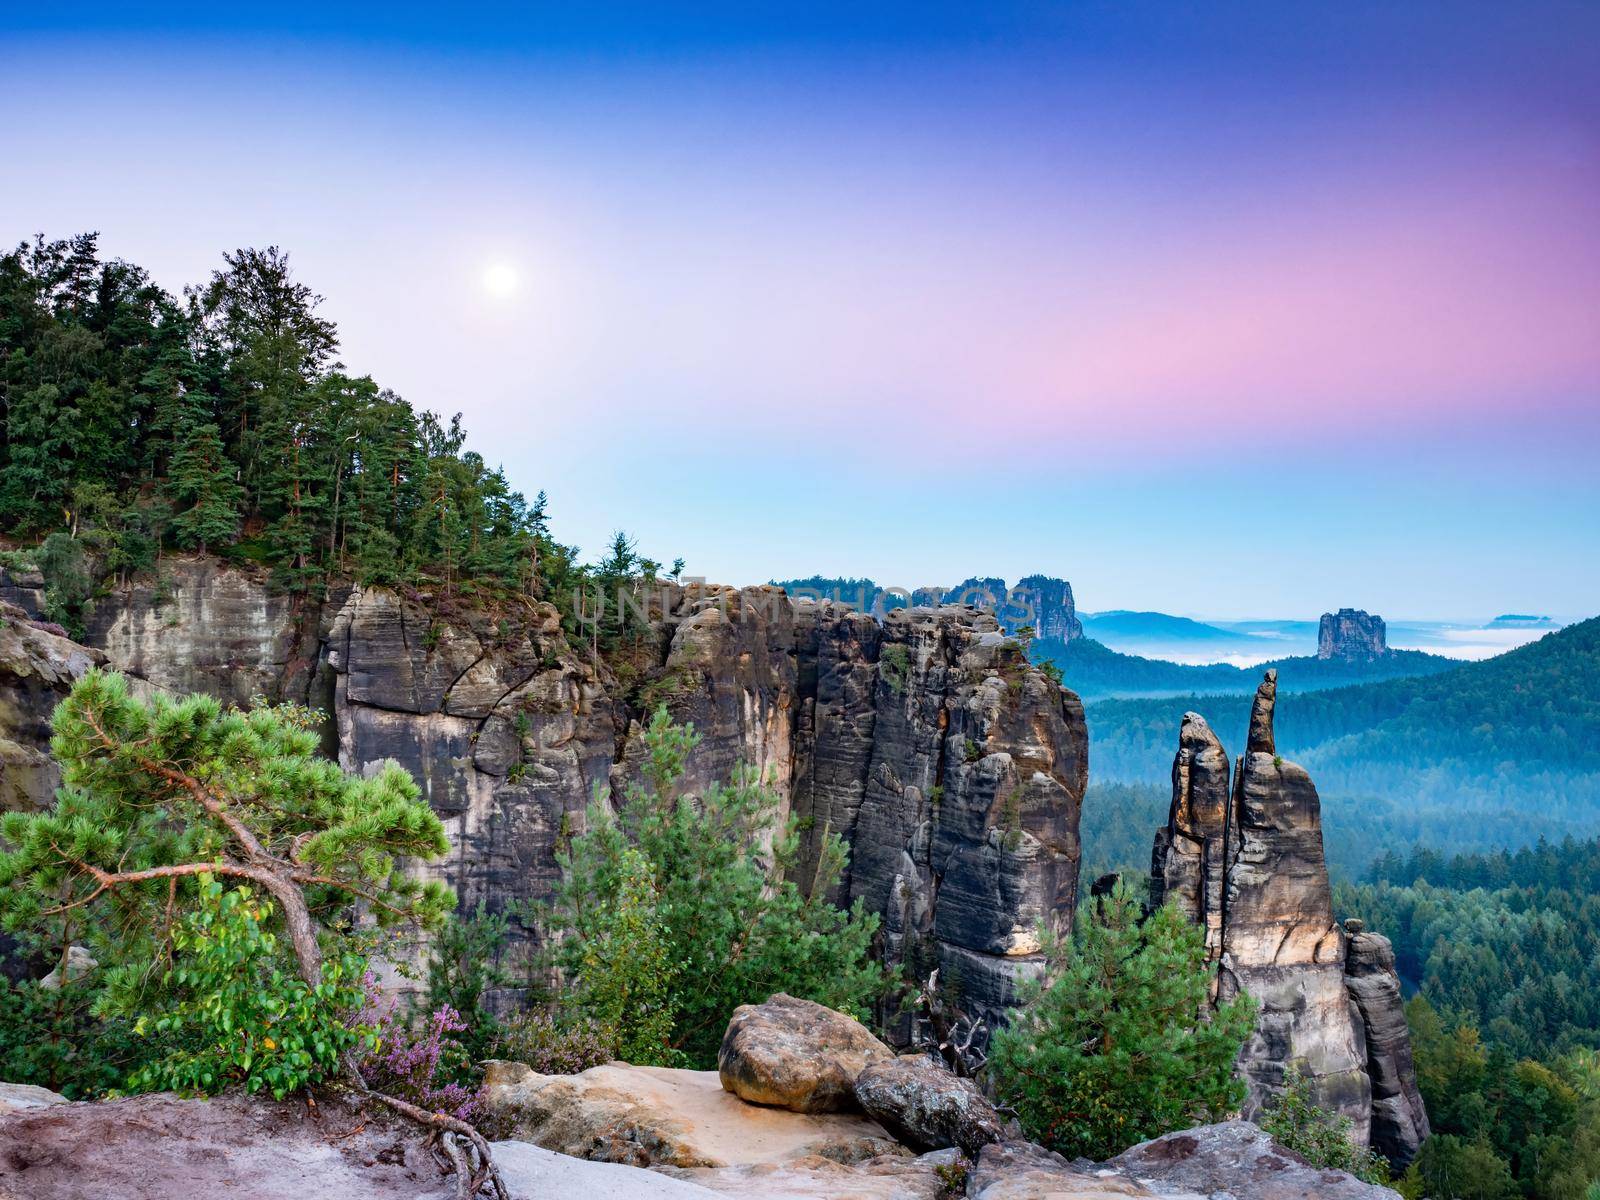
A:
(1322, 1138)
(551, 1046)
(67, 583)
(894, 666)
(52, 1038)
(237, 1013)
(463, 967)
(709, 909)
(1116, 1045)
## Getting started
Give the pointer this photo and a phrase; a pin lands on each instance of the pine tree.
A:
(205, 498)
(1118, 1045)
(155, 794)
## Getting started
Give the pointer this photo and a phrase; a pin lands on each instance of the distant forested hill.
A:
(1095, 671)
(1485, 755)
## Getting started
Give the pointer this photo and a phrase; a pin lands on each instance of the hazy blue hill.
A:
(1123, 625)
(1486, 754)
(1097, 672)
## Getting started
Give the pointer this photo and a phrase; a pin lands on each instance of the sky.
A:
(1227, 310)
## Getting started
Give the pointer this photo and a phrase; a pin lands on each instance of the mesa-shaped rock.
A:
(1352, 635)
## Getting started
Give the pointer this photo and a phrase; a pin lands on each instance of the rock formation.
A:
(1248, 865)
(951, 768)
(1399, 1120)
(1056, 613)
(1352, 635)
(37, 667)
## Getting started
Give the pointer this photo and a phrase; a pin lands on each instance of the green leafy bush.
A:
(700, 889)
(1322, 1138)
(1116, 1044)
(238, 1013)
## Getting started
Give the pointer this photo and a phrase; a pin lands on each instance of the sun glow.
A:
(500, 279)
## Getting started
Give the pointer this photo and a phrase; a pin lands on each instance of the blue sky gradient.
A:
(1228, 310)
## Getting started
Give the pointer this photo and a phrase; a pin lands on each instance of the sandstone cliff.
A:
(1352, 636)
(951, 768)
(37, 667)
(1248, 865)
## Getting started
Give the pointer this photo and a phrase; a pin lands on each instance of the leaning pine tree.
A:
(183, 836)
(1118, 1044)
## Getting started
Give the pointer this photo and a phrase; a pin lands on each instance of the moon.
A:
(500, 279)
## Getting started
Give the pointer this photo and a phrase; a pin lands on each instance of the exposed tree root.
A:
(470, 1175)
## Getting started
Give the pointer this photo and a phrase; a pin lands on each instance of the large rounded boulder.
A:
(927, 1107)
(794, 1054)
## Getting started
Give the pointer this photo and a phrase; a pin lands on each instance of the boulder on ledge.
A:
(928, 1107)
(794, 1054)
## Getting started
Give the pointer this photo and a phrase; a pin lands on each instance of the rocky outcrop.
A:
(926, 1106)
(1399, 1120)
(965, 836)
(1189, 856)
(795, 1054)
(650, 1116)
(1279, 939)
(1238, 1160)
(1352, 635)
(1247, 864)
(37, 668)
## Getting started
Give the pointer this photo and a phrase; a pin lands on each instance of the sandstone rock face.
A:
(37, 669)
(1279, 940)
(966, 834)
(926, 1106)
(794, 1054)
(1352, 635)
(952, 769)
(1187, 866)
(649, 1116)
(1399, 1120)
(206, 628)
(1236, 1159)
(1248, 865)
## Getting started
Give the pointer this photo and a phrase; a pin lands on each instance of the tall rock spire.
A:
(1248, 866)
(1190, 853)
(1261, 739)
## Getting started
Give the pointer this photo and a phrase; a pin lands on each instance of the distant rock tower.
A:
(1352, 635)
(1057, 615)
